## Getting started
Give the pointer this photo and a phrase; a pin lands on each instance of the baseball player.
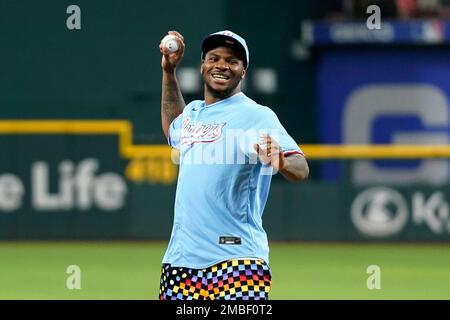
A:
(218, 248)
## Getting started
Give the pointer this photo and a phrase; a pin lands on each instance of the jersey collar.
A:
(236, 95)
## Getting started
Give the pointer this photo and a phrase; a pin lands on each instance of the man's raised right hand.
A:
(170, 60)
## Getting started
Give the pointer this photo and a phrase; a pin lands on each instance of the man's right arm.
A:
(172, 102)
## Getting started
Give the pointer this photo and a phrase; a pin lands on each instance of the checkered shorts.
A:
(241, 279)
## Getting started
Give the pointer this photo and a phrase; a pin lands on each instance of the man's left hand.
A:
(269, 152)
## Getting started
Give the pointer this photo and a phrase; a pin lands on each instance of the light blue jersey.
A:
(222, 186)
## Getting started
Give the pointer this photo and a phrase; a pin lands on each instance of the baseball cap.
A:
(226, 38)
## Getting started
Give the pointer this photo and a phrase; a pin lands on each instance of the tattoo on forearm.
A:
(172, 103)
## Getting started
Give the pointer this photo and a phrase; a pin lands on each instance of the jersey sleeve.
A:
(174, 135)
(269, 123)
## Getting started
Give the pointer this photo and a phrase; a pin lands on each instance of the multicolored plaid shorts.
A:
(241, 279)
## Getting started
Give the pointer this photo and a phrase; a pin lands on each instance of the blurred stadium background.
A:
(85, 177)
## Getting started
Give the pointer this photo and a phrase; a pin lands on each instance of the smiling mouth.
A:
(220, 77)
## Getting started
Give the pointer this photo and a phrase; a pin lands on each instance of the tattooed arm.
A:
(172, 102)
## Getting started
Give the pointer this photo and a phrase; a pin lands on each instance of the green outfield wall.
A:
(80, 132)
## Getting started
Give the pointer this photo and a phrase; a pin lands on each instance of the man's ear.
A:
(244, 72)
(201, 66)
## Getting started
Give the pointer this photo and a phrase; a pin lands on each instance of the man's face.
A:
(222, 71)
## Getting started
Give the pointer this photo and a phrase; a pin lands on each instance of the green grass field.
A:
(130, 270)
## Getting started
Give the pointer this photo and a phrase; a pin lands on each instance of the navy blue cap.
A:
(226, 38)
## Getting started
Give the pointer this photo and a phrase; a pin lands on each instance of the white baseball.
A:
(170, 43)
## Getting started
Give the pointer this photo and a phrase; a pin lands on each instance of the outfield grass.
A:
(130, 270)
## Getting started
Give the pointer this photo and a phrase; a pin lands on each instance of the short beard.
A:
(222, 94)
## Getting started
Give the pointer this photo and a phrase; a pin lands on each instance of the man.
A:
(218, 248)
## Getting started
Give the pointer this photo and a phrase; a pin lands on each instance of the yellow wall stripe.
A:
(124, 130)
